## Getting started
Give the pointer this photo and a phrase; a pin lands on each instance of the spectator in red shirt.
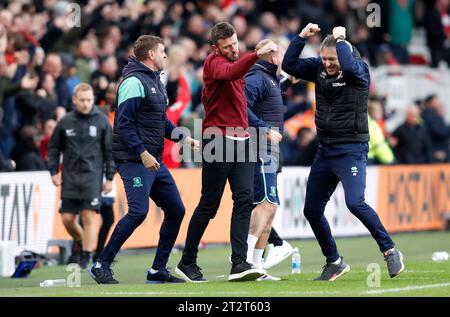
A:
(49, 127)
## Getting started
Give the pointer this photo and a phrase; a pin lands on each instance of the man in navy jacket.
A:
(140, 126)
(266, 115)
(342, 89)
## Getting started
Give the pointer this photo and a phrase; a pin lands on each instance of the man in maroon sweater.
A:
(226, 153)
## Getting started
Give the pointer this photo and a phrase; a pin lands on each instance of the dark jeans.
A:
(214, 177)
(345, 163)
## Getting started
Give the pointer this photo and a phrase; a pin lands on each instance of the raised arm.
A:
(350, 65)
(223, 69)
(303, 68)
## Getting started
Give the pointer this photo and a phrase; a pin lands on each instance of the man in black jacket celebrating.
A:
(84, 137)
(342, 88)
(140, 126)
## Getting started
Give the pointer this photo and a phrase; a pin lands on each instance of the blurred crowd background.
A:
(42, 59)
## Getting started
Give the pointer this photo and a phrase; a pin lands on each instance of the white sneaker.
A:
(267, 277)
(277, 254)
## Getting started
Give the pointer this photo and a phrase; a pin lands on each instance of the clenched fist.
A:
(309, 30)
(269, 47)
(339, 32)
(149, 162)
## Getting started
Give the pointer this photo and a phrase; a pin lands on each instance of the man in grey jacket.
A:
(84, 138)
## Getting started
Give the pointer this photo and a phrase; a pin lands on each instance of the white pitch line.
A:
(371, 292)
(407, 288)
(219, 293)
(424, 271)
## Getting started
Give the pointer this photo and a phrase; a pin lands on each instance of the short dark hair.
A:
(145, 43)
(220, 31)
(429, 98)
(328, 41)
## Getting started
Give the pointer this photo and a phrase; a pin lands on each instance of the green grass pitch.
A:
(422, 276)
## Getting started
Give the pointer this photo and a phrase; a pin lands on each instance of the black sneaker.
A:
(245, 272)
(190, 273)
(394, 260)
(102, 274)
(333, 271)
(161, 277)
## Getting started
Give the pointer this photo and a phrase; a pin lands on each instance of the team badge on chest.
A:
(93, 131)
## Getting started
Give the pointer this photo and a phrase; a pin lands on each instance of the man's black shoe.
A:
(102, 274)
(190, 273)
(333, 271)
(161, 277)
(245, 272)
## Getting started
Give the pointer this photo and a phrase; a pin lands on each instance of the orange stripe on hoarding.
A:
(409, 198)
(189, 184)
(147, 235)
(412, 198)
(59, 231)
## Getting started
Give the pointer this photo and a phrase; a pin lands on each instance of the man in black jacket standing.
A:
(84, 137)
(342, 89)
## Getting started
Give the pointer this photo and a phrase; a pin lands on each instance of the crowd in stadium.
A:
(43, 57)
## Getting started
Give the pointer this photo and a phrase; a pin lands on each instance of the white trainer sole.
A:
(185, 277)
(401, 269)
(249, 275)
(346, 270)
(268, 265)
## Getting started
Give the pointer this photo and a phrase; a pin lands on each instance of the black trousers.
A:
(223, 159)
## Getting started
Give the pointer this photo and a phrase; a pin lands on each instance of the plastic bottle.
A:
(53, 283)
(296, 262)
(440, 256)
